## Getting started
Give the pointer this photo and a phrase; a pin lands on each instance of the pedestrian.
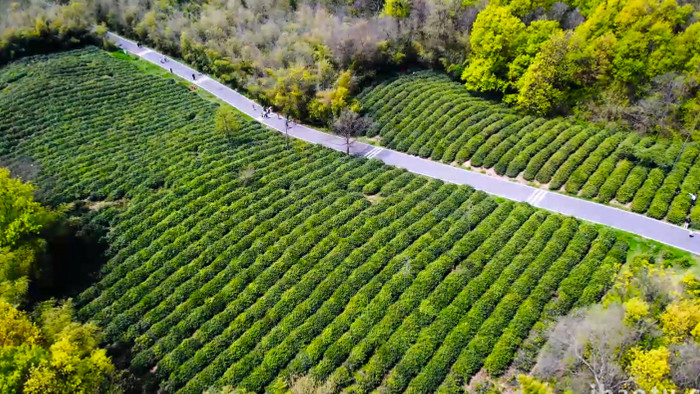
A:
(690, 233)
(278, 116)
(193, 77)
(171, 70)
(254, 109)
(286, 123)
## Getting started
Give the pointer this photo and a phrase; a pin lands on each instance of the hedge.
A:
(632, 183)
(672, 183)
(646, 193)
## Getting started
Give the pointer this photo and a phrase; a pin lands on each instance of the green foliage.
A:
(334, 268)
(495, 39)
(53, 354)
(530, 385)
(21, 219)
(66, 26)
(20, 215)
(398, 9)
(427, 115)
(227, 122)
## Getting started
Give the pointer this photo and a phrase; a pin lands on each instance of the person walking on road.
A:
(194, 78)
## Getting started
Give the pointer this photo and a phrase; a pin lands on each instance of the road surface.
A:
(610, 216)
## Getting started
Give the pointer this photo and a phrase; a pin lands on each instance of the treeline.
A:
(630, 63)
(43, 349)
(625, 63)
(33, 28)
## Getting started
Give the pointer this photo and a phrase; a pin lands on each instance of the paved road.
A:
(594, 212)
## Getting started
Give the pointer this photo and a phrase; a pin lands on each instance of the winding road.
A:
(598, 213)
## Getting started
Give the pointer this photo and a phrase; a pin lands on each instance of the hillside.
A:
(239, 262)
(428, 115)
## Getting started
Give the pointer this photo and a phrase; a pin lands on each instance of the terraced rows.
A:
(340, 268)
(428, 115)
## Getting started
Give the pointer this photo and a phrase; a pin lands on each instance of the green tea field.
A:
(236, 261)
(428, 115)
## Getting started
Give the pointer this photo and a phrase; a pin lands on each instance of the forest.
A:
(627, 64)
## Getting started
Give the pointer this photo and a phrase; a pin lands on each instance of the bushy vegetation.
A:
(50, 353)
(645, 335)
(426, 114)
(627, 63)
(238, 262)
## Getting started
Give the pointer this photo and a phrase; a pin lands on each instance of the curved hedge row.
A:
(428, 115)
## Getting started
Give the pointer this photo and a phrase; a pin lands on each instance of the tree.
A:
(589, 344)
(494, 40)
(349, 124)
(679, 319)
(541, 88)
(20, 215)
(247, 175)
(227, 122)
(21, 219)
(650, 369)
(530, 385)
(398, 9)
(685, 365)
(53, 354)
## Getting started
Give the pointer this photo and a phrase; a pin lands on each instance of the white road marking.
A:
(536, 197)
(374, 152)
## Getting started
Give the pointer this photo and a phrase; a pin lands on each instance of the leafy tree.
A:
(290, 90)
(398, 9)
(21, 219)
(542, 87)
(329, 103)
(535, 36)
(247, 175)
(635, 310)
(530, 385)
(20, 215)
(53, 354)
(650, 369)
(227, 122)
(494, 40)
(349, 124)
(679, 319)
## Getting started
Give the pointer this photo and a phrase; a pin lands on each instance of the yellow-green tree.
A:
(650, 369)
(679, 319)
(398, 9)
(494, 40)
(53, 354)
(21, 219)
(530, 385)
(227, 122)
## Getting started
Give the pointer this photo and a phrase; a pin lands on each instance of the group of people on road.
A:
(267, 111)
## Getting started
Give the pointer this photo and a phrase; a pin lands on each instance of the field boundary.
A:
(644, 226)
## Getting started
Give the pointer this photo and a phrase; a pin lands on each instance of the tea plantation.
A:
(239, 262)
(428, 115)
